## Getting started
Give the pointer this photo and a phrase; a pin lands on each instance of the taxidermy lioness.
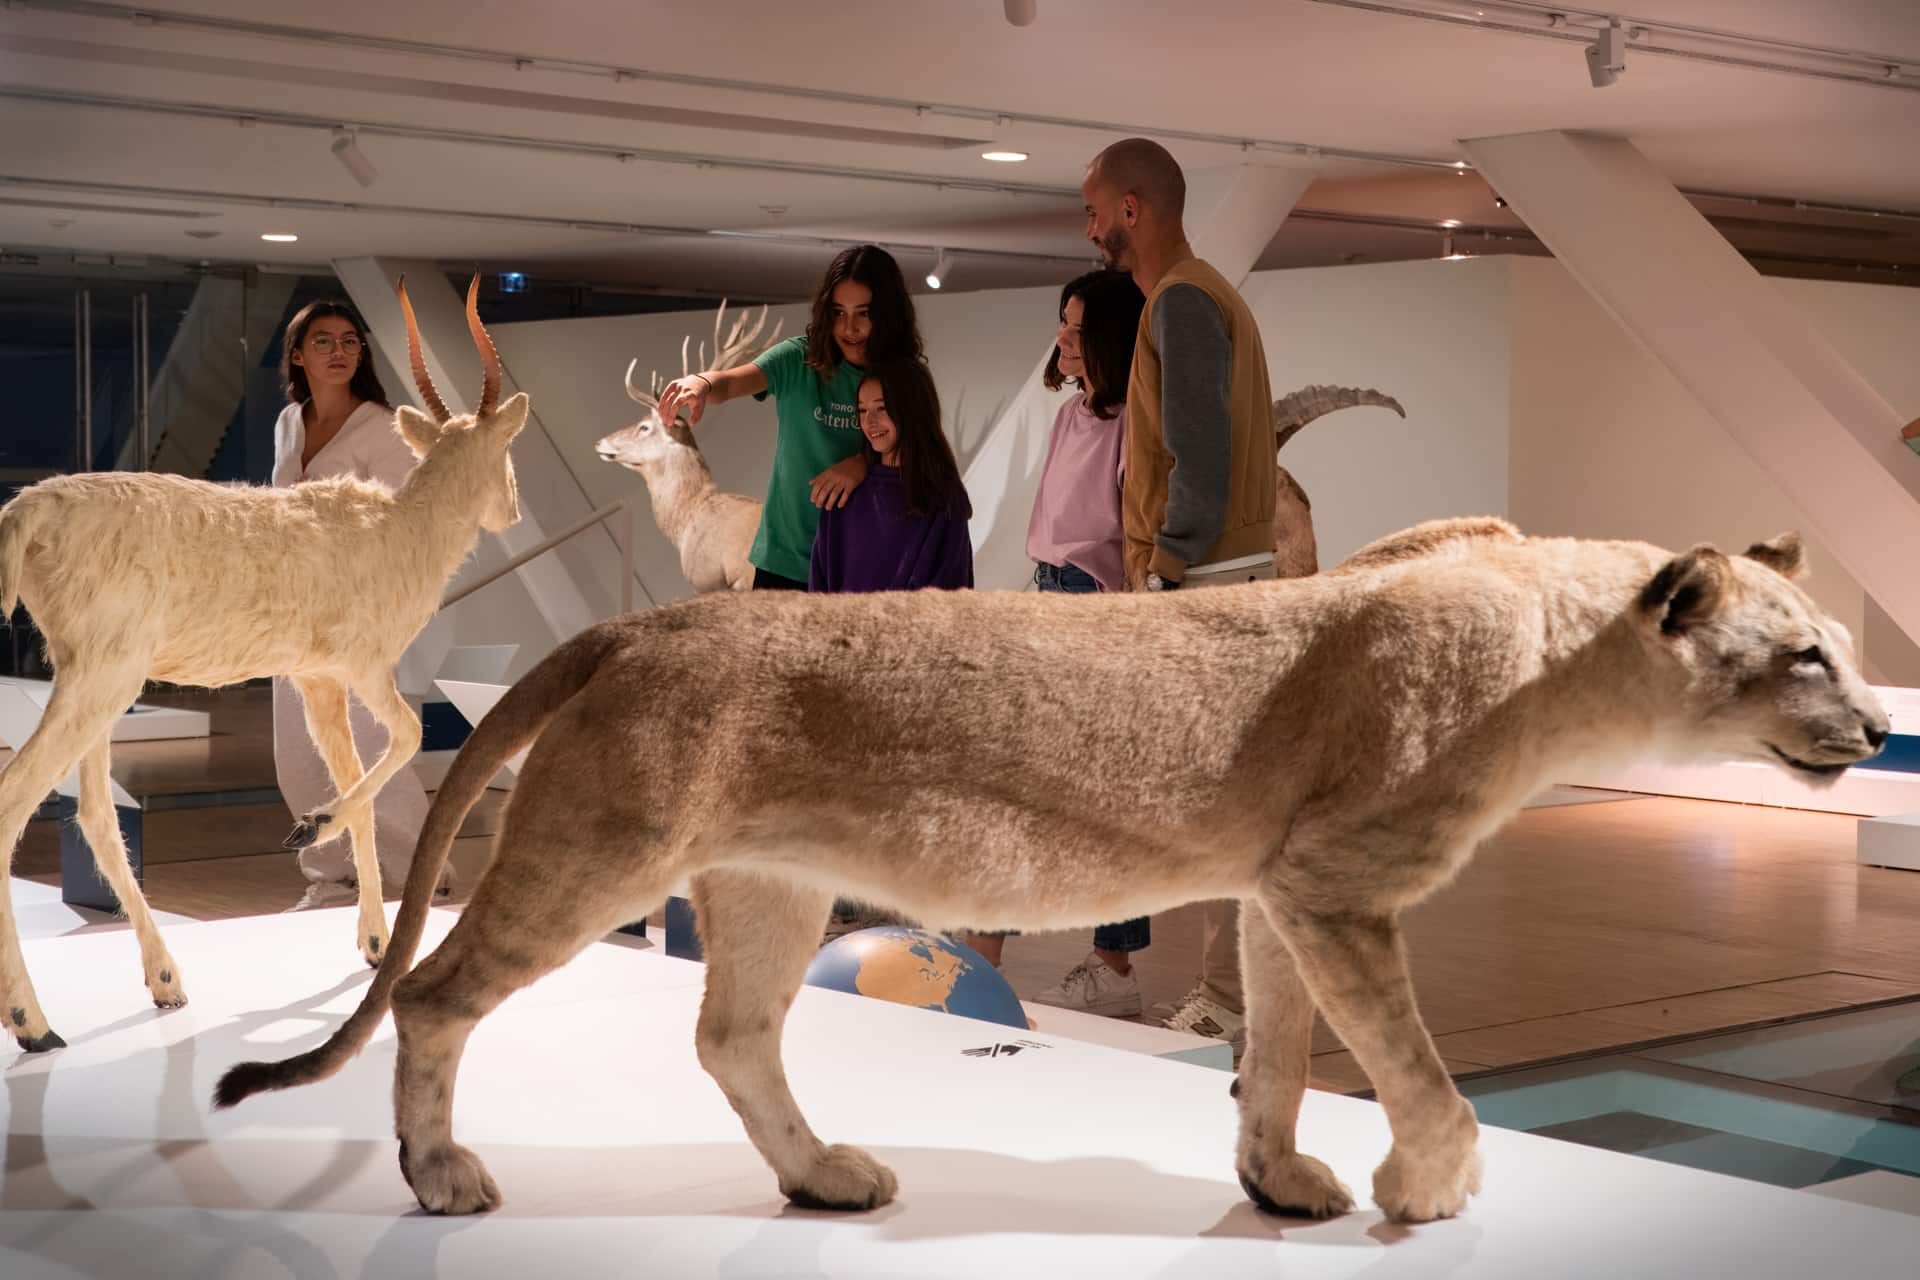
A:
(1328, 750)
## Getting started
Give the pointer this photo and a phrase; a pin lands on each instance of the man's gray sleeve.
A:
(1196, 373)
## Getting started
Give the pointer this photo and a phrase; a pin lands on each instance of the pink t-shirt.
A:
(1076, 514)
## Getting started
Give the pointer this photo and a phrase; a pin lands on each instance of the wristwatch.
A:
(1157, 583)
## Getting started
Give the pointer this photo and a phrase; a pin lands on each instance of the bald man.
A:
(1197, 501)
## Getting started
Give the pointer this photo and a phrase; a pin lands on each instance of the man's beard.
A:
(1113, 245)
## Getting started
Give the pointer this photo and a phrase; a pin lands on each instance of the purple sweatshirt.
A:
(872, 544)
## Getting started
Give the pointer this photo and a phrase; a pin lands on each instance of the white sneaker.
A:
(327, 893)
(1199, 1014)
(1094, 986)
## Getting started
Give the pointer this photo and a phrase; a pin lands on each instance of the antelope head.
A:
(478, 444)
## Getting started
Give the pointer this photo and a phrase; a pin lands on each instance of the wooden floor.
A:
(1580, 928)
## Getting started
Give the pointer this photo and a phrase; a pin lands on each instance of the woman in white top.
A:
(338, 423)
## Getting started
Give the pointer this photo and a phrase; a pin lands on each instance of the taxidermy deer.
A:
(713, 531)
(133, 576)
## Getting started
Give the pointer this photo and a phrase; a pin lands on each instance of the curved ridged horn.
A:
(1295, 410)
(489, 358)
(435, 405)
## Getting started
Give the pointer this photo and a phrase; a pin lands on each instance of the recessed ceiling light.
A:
(1449, 222)
(1004, 157)
(203, 235)
(279, 237)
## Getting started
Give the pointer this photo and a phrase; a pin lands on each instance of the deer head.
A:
(650, 441)
(478, 444)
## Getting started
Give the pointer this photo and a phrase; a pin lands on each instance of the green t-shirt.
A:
(817, 425)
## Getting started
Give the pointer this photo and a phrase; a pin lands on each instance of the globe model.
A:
(918, 968)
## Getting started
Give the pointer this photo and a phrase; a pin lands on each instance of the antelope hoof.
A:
(50, 1040)
(306, 832)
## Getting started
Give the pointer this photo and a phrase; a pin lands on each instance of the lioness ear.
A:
(1785, 555)
(419, 431)
(1688, 590)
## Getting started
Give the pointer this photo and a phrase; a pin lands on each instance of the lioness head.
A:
(1769, 675)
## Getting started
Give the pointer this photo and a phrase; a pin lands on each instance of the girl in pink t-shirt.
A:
(1075, 541)
(1074, 536)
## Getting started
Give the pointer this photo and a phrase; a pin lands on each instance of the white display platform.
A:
(140, 722)
(618, 1157)
(39, 913)
(1889, 841)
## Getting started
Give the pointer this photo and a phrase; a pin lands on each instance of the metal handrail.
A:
(629, 536)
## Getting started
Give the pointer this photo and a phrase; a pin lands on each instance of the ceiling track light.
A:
(1021, 13)
(1607, 55)
(346, 149)
(942, 265)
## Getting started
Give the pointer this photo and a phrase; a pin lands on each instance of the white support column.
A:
(563, 584)
(1232, 215)
(1732, 339)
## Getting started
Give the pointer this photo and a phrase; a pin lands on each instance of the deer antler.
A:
(1295, 410)
(739, 344)
(421, 379)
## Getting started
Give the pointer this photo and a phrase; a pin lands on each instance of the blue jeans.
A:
(1068, 578)
(1128, 935)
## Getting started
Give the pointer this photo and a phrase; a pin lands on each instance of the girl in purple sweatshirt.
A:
(906, 526)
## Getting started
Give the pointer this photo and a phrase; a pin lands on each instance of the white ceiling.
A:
(134, 180)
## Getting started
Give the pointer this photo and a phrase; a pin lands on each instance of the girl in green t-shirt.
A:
(862, 315)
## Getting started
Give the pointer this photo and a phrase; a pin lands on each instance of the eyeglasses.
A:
(325, 343)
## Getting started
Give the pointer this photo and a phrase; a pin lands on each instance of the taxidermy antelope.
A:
(713, 531)
(1295, 552)
(133, 576)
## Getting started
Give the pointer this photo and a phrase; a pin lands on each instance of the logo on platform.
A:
(1004, 1050)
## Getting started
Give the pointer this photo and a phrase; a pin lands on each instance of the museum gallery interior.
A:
(982, 637)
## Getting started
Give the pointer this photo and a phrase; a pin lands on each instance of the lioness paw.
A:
(843, 1178)
(1417, 1190)
(1297, 1186)
(451, 1180)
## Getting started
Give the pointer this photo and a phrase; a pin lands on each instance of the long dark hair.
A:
(896, 332)
(928, 471)
(366, 382)
(1110, 304)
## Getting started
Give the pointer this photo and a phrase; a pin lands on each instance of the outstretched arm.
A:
(716, 386)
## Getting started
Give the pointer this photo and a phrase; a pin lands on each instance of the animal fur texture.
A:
(133, 576)
(1329, 750)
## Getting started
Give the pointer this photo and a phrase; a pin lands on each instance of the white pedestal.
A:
(1891, 841)
(618, 1156)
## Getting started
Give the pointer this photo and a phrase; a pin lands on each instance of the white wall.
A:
(1435, 336)
(1523, 399)
(1606, 443)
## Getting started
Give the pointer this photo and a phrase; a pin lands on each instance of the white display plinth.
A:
(617, 1156)
(39, 913)
(1890, 841)
(139, 723)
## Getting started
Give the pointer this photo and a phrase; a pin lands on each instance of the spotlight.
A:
(1607, 55)
(1021, 13)
(513, 282)
(1499, 201)
(942, 264)
(346, 149)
